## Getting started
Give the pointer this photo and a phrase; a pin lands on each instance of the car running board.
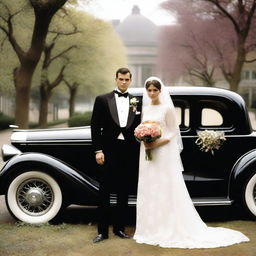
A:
(212, 201)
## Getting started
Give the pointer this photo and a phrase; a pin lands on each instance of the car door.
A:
(212, 169)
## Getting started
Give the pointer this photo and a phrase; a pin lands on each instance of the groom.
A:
(114, 119)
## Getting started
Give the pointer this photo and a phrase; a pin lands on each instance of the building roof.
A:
(136, 29)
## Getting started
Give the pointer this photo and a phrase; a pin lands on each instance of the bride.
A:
(165, 212)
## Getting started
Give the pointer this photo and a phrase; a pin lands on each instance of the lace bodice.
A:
(165, 116)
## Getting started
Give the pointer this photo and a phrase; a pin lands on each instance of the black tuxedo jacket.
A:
(105, 124)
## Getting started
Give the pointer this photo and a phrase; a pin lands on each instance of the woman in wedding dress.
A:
(165, 212)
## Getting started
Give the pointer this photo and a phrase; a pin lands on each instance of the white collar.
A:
(116, 89)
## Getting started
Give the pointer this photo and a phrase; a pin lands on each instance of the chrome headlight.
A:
(9, 151)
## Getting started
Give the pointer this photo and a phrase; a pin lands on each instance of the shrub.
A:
(5, 121)
(35, 125)
(80, 119)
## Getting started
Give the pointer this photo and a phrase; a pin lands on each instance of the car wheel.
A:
(250, 195)
(34, 197)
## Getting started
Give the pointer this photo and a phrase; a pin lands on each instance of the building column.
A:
(250, 97)
(140, 82)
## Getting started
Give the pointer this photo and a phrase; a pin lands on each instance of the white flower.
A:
(209, 140)
(133, 103)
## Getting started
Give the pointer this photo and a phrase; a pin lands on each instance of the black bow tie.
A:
(121, 94)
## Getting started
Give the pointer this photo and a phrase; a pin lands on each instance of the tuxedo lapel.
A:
(113, 108)
(131, 114)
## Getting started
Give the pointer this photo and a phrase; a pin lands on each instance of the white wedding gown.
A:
(165, 213)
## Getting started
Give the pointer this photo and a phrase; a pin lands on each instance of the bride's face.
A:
(153, 92)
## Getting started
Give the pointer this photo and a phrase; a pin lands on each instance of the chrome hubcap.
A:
(35, 197)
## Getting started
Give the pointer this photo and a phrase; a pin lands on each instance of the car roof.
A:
(195, 90)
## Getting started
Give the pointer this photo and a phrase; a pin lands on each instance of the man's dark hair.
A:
(123, 71)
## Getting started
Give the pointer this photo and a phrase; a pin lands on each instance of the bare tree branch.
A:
(8, 30)
(61, 54)
(74, 85)
(226, 14)
(75, 31)
(250, 61)
(58, 79)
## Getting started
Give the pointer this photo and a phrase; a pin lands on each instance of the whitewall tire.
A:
(250, 195)
(34, 197)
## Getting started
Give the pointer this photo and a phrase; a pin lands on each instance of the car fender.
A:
(244, 168)
(63, 173)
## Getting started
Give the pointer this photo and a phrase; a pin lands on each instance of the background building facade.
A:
(140, 37)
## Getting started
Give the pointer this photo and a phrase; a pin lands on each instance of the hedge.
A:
(5, 121)
(80, 119)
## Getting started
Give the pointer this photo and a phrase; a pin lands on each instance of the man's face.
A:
(123, 81)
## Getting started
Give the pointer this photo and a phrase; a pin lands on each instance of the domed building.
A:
(140, 37)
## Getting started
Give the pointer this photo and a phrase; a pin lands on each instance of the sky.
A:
(120, 9)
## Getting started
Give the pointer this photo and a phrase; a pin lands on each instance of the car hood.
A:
(51, 135)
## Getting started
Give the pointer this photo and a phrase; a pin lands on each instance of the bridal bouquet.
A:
(148, 131)
(209, 140)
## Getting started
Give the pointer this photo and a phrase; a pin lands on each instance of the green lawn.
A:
(18, 239)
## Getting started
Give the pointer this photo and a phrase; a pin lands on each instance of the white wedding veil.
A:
(165, 99)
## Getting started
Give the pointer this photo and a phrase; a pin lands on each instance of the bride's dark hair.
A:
(155, 83)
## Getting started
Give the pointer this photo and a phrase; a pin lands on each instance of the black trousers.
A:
(114, 179)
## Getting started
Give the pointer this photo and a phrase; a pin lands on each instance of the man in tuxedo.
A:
(113, 122)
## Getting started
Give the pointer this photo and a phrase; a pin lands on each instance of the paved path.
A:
(4, 139)
(4, 214)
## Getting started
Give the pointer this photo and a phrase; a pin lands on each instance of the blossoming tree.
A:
(220, 34)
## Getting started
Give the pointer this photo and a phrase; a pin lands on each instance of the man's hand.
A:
(100, 158)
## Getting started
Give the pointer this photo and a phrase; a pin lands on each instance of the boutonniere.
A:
(133, 103)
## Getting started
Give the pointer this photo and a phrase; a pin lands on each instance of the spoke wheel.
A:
(34, 197)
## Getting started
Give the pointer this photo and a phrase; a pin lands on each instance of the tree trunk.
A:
(73, 92)
(23, 77)
(234, 77)
(43, 109)
(44, 12)
(237, 71)
(22, 106)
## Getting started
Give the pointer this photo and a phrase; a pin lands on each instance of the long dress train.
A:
(166, 215)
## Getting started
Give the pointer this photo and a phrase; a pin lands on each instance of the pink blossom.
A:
(148, 131)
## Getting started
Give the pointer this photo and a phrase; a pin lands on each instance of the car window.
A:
(182, 113)
(185, 122)
(211, 117)
(215, 113)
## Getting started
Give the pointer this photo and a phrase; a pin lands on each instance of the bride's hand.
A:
(150, 145)
(156, 143)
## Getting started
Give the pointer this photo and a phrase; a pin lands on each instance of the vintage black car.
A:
(48, 170)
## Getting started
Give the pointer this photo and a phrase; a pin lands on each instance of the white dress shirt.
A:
(122, 105)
